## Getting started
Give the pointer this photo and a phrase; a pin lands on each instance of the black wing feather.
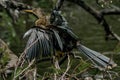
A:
(58, 39)
(38, 43)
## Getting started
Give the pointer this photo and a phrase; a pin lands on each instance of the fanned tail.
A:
(98, 59)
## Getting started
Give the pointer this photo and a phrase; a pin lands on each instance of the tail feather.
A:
(98, 59)
(98, 55)
(93, 58)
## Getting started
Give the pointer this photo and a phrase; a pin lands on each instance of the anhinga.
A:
(51, 35)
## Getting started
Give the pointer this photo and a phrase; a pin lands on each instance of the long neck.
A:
(40, 14)
(42, 21)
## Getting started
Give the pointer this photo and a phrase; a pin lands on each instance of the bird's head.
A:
(38, 12)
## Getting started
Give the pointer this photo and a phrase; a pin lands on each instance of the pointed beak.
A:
(30, 11)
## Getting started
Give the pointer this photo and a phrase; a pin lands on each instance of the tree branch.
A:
(99, 16)
(14, 5)
(13, 8)
(110, 12)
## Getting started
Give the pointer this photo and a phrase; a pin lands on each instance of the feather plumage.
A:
(38, 43)
(97, 58)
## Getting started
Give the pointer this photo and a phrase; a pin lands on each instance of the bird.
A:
(51, 36)
(43, 35)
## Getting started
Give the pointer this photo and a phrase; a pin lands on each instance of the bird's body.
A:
(51, 36)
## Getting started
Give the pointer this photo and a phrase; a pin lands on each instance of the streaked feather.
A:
(93, 58)
(38, 43)
(97, 58)
(58, 39)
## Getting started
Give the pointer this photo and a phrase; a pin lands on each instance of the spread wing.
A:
(41, 42)
(38, 42)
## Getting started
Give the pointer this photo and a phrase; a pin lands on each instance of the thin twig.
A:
(67, 69)
(56, 63)
(35, 73)
(31, 63)
(55, 76)
(22, 56)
